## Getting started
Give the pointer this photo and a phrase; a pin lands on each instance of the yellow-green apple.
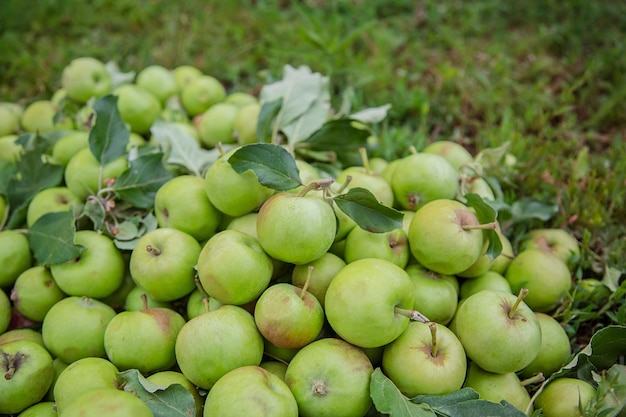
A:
(456, 154)
(241, 99)
(217, 124)
(84, 78)
(565, 397)
(555, 348)
(490, 280)
(434, 294)
(157, 80)
(392, 246)
(168, 378)
(38, 117)
(245, 224)
(107, 402)
(324, 270)
(9, 121)
(10, 151)
(137, 107)
(200, 93)
(40, 409)
(68, 145)
(23, 333)
(184, 74)
(559, 242)
(497, 387)
(35, 292)
(138, 299)
(85, 176)
(276, 367)
(5, 312)
(50, 200)
(246, 123)
(364, 177)
(15, 256)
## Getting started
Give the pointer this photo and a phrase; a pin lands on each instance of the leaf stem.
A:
(411, 314)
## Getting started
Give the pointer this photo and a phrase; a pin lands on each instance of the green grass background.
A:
(546, 76)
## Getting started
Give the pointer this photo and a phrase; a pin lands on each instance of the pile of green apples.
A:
(238, 297)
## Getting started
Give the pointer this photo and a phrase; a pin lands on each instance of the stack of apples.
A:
(262, 302)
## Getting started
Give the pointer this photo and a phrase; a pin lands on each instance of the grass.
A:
(545, 76)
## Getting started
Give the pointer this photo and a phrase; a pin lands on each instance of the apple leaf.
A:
(139, 183)
(388, 398)
(273, 165)
(8, 169)
(132, 229)
(164, 401)
(486, 214)
(109, 136)
(611, 278)
(526, 209)
(372, 114)
(265, 122)
(117, 76)
(183, 150)
(51, 238)
(611, 392)
(362, 207)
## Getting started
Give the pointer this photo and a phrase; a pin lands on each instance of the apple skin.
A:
(217, 124)
(41, 409)
(324, 270)
(287, 317)
(201, 93)
(296, 229)
(545, 275)
(138, 299)
(196, 304)
(439, 242)
(181, 203)
(503, 260)
(143, 339)
(84, 375)
(423, 177)
(15, 256)
(246, 122)
(27, 374)
(364, 178)
(490, 280)
(204, 358)
(167, 378)
(82, 173)
(361, 300)
(163, 263)
(250, 391)
(74, 328)
(38, 117)
(392, 246)
(411, 354)
(330, 377)
(558, 242)
(158, 81)
(107, 402)
(276, 367)
(184, 74)
(220, 181)
(9, 121)
(233, 267)
(497, 387)
(563, 396)
(496, 342)
(35, 292)
(137, 107)
(434, 294)
(97, 272)
(453, 152)
(554, 351)
(9, 150)
(24, 333)
(84, 78)
(50, 200)
(5, 312)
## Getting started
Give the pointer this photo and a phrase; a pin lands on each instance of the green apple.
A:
(240, 99)
(250, 391)
(559, 242)
(481, 187)
(453, 152)
(246, 123)
(392, 246)
(199, 302)
(74, 328)
(245, 224)
(272, 351)
(200, 93)
(50, 200)
(482, 264)
(445, 236)
(288, 316)
(24, 333)
(167, 378)
(204, 358)
(68, 145)
(423, 177)
(220, 181)
(503, 260)
(35, 292)
(97, 272)
(138, 299)
(157, 80)
(330, 377)
(163, 263)
(9, 121)
(217, 124)
(546, 276)
(434, 295)
(498, 331)
(490, 280)
(378, 165)
(143, 339)
(4, 212)
(565, 397)
(15, 256)
(497, 387)
(85, 118)
(84, 78)
(107, 402)
(358, 176)
(59, 366)
(5, 312)
(38, 117)
(85, 176)
(431, 351)
(296, 229)
(365, 300)
(137, 107)
(41, 409)
(555, 348)
(9, 150)
(27, 374)
(276, 367)
(324, 270)
(184, 74)
(233, 267)
(181, 203)
(82, 376)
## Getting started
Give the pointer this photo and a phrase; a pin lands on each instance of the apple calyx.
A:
(11, 363)
(522, 294)
(319, 388)
(533, 379)
(411, 314)
(309, 275)
(433, 333)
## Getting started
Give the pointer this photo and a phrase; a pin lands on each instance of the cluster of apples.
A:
(271, 303)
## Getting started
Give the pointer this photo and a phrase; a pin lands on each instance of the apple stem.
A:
(533, 379)
(205, 304)
(412, 314)
(316, 185)
(365, 159)
(307, 282)
(12, 362)
(522, 294)
(433, 333)
(345, 184)
(201, 288)
(220, 149)
(488, 226)
(144, 300)
(412, 149)
(153, 251)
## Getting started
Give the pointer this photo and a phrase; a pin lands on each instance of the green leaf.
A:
(526, 209)
(372, 114)
(95, 211)
(363, 207)
(581, 165)
(164, 401)
(481, 408)
(265, 122)
(435, 401)
(138, 185)
(486, 214)
(388, 399)
(273, 165)
(109, 136)
(611, 392)
(611, 278)
(8, 169)
(51, 238)
(182, 150)
(134, 228)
